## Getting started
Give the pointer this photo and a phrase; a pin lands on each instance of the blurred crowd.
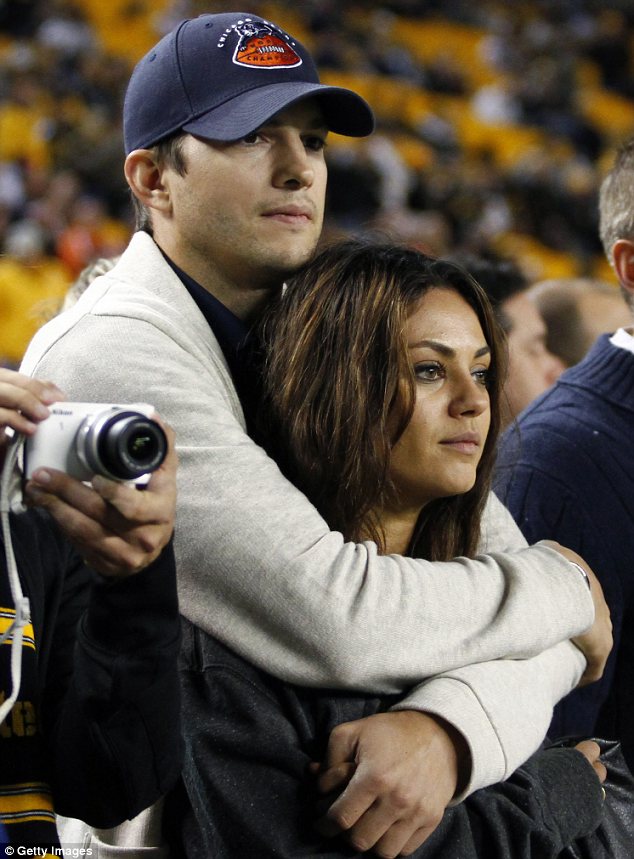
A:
(496, 123)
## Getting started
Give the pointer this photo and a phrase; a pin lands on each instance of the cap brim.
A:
(345, 112)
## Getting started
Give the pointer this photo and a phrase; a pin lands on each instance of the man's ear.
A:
(145, 178)
(623, 256)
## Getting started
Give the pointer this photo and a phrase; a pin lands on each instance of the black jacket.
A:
(249, 739)
(102, 680)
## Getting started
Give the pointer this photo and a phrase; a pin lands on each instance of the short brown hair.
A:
(616, 209)
(167, 153)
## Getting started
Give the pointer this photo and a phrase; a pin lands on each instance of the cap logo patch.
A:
(262, 46)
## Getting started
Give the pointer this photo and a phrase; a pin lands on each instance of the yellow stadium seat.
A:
(609, 112)
(126, 29)
(429, 40)
(538, 261)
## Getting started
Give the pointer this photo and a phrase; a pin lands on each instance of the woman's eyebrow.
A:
(446, 350)
(485, 350)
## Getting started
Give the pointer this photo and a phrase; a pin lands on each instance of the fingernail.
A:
(98, 483)
(32, 492)
(52, 395)
(41, 411)
(41, 476)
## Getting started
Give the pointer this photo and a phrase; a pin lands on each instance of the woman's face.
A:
(438, 454)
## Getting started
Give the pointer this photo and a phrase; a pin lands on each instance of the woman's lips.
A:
(466, 443)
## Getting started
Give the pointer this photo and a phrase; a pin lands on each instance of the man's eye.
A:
(316, 144)
(251, 138)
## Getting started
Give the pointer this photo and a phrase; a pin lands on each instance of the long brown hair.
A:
(338, 373)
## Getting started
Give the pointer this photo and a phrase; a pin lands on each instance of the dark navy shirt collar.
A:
(229, 330)
(232, 335)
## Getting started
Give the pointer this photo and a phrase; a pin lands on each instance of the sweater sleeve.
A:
(112, 696)
(545, 504)
(259, 568)
(502, 708)
(551, 802)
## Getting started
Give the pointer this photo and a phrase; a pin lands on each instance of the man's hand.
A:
(118, 529)
(592, 751)
(23, 403)
(596, 642)
(398, 771)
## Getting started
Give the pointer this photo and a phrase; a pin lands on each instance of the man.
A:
(225, 123)
(568, 473)
(576, 312)
(94, 729)
(532, 366)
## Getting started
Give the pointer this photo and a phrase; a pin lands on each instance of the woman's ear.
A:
(623, 256)
(145, 178)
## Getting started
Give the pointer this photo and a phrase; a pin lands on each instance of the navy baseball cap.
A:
(222, 76)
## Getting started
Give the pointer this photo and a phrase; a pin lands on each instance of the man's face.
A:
(532, 368)
(248, 213)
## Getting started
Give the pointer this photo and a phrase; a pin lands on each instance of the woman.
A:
(380, 360)
(382, 393)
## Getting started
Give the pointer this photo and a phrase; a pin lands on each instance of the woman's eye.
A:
(428, 372)
(482, 376)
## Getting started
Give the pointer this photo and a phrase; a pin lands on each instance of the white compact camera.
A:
(121, 442)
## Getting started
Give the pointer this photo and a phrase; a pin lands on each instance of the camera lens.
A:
(142, 445)
(123, 444)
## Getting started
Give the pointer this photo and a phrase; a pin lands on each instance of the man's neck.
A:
(243, 299)
(247, 305)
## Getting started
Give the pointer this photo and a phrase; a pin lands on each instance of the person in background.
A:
(226, 116)
(576, 312)
(95, 729)
(532, 367)
(31, 283)
(567, 473)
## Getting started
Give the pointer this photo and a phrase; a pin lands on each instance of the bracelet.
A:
(583, 573)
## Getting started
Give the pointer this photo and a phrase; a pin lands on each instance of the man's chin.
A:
(285, 265)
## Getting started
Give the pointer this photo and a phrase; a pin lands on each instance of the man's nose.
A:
(292, 164)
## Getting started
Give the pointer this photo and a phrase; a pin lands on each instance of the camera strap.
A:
(15, 631)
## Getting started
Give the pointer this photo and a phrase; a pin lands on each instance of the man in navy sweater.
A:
(566, 472)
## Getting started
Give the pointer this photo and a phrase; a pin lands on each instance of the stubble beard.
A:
(277, 266)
